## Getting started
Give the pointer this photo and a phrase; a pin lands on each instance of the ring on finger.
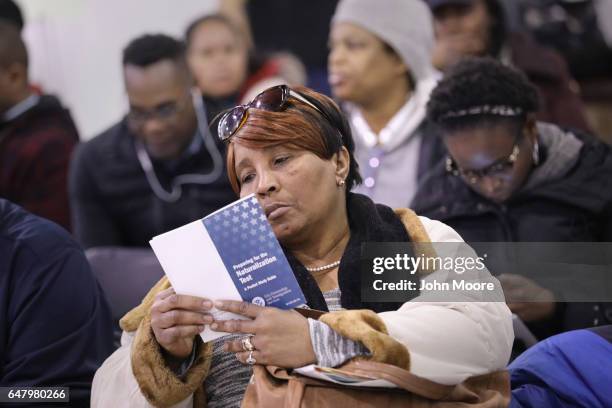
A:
(250, 360)
(246, 343)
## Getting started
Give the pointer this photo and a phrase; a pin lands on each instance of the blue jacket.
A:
(572, 369)
(55, 325)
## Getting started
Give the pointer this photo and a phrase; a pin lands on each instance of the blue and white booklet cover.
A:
(230, 254)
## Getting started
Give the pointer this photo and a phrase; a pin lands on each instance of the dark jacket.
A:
(35, 150)
(560, 101)
(567, 198)
(56, 326)
(368, 222)
(113, 203)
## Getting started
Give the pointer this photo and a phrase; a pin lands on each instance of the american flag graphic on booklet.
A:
(253, 256)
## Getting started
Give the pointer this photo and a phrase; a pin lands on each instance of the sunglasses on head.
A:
(272, 100)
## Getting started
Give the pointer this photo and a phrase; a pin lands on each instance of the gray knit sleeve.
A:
(330, 348)
(180, 370)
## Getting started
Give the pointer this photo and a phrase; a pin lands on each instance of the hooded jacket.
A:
(567, 198)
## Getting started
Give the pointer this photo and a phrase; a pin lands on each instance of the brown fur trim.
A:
(160, 386)
(157, 382)
(132, 319)
(366, 327)
(413, 225)
(418, 235)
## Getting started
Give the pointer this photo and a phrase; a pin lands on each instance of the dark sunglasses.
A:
(272, 100)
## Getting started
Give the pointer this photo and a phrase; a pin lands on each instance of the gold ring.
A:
(246, 344)
(250, 360)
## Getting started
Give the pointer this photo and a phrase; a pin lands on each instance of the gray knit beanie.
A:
(406, 25)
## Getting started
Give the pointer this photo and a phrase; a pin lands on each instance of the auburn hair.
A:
(298, 126)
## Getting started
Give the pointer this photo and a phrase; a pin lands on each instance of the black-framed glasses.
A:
(164, 112)
(496, 169)
(273, 100)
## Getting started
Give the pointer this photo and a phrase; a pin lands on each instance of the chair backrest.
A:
(126, 275)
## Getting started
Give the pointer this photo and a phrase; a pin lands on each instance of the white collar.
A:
(402, 125)
(21, 107)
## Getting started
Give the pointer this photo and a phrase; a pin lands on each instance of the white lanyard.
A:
(176, 186)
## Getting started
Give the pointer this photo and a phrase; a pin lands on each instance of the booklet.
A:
(342, 377)
(230, 254)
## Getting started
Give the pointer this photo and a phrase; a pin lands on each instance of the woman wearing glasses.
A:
(294, 150)
(509, 178)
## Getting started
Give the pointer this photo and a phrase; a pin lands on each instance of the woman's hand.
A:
(177, 319)
(280, 337)
(526, 298)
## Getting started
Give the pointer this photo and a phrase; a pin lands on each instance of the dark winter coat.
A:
(113, 203)
(567, 198)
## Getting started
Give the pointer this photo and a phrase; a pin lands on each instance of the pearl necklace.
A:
(324, 267)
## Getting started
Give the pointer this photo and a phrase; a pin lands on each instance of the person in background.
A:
(581, 31)
(159, 167)
(510, 178)
(380, 69)
(56, 325)
(10, 12)
(478, 28)
(300, 28)
(226, 71)
(37, 136)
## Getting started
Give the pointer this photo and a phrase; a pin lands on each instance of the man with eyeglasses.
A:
(159, 167)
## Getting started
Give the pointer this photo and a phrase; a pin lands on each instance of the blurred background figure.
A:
(297, 28)
(37, 135)
(11, 12)
(226, 70)
(509, 178)
(380, 69)
(581, 31)
(56, 326)
(479, 28)
(159, 167)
